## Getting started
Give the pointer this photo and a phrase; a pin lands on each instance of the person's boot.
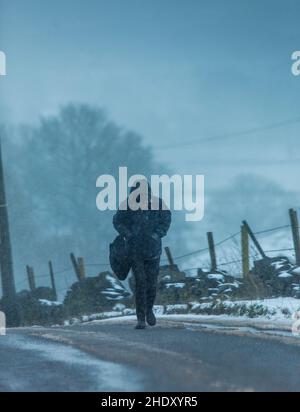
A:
(150, 317)
(141, 324)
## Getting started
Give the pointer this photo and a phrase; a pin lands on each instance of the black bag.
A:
(119, 258)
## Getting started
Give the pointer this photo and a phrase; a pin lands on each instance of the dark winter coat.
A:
(143, 229)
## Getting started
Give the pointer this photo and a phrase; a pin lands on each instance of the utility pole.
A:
(6, 263)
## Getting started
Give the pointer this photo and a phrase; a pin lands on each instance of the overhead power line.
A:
(231, 135)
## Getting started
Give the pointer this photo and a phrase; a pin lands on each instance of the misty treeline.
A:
(51, 170)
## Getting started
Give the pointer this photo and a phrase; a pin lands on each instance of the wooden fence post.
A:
(81, 268)
(169, 256)
(75, 266)
(295, 233)
(254, 240)
(52, 278)
(31, 280)
(247, 275)
(245, 251)
(212, 251)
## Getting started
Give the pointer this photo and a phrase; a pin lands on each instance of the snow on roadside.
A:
(279, 304)
(49, 302)
(275, 309)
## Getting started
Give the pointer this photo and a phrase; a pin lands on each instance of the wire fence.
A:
(225, 261)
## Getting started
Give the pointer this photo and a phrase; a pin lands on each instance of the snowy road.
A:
(174, 356)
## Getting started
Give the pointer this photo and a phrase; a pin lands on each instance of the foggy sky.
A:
(172, 70)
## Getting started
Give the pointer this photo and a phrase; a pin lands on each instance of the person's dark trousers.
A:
(146, 274)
